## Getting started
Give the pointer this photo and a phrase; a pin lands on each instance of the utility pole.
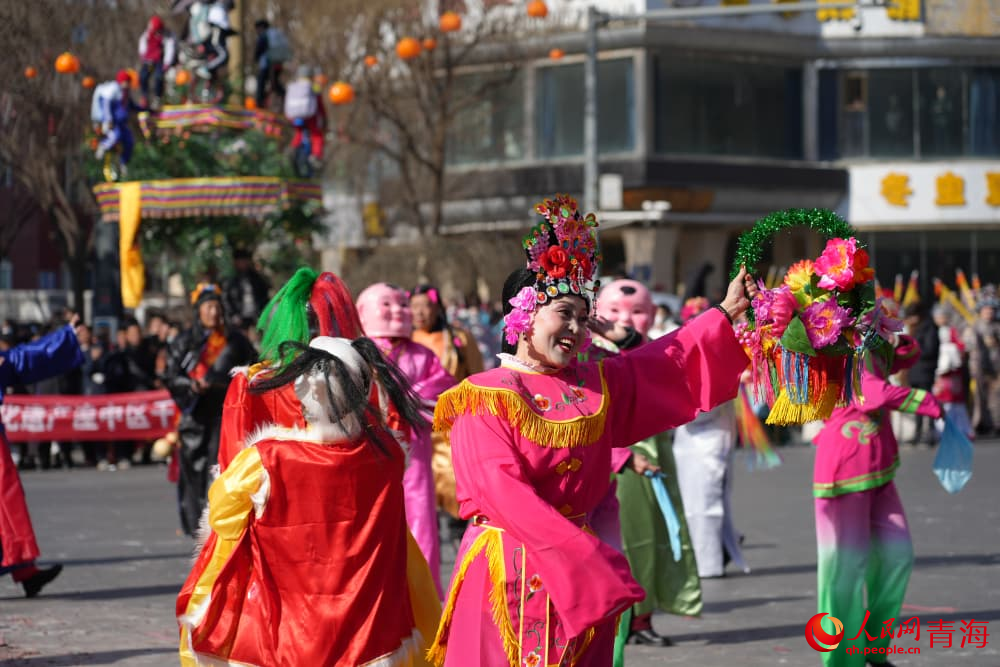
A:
(590, 148)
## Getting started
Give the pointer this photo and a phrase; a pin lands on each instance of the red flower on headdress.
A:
(555, 262)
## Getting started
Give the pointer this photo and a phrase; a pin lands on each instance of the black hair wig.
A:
(351, 399)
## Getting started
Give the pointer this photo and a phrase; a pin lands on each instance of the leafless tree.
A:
(44, 119)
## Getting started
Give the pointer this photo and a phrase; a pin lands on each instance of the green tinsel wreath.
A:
(752, 243)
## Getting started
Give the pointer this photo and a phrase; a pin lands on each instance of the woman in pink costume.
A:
(862, 537)
(532, 445)
(385, 316)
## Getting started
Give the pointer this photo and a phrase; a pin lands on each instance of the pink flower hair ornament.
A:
(518, 320)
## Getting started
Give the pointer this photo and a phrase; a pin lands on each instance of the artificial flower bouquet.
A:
(809, 334)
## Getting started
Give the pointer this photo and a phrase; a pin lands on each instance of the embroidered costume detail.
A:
(474, 399)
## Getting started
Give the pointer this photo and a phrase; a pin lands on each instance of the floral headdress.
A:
(563, 252)
(204, 292)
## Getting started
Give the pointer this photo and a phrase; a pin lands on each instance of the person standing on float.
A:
(532, 443)
(385, 317)
(671, 585)
(57, 353)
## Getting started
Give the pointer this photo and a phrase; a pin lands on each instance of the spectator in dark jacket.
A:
(197, 376)
(921, 375)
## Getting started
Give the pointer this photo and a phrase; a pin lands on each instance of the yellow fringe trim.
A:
(490, 540)
(468, 398)
(784, 412)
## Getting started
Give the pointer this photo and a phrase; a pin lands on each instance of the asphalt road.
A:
(116, 534)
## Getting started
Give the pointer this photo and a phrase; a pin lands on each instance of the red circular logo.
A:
(815, 634)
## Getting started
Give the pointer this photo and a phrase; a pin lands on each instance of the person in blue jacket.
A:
(54, 354)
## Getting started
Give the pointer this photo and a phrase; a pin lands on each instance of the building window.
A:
(890, 113)
(47, 280)
(559, 105)
(6, 274)
(907, 113)
(941, 112)
(715, 107)
(489, 121)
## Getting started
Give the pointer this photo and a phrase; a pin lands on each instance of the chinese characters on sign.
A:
(941, 632)
(949, 189)
(134, 416)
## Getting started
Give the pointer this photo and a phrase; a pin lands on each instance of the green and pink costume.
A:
(862, 536)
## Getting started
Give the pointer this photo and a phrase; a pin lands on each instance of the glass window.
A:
(890, 113)
(727, 108)
(489, 118)
(941, 112)
(46, 280)
(559, 108)
(6, 274)
(984, 111)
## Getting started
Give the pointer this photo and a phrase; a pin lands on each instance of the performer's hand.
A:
(613, 331)
(740, 293)
(640, 464)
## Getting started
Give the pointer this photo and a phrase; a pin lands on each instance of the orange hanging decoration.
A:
(556, 54)
(371, 61)
(450, 22)
(133, 77)
(67, 63)
(182, 78)
(89, 82)
(537, 9)
(30, 72)
(341, 93)
(429, 44)
(250, 103)
(408, 48)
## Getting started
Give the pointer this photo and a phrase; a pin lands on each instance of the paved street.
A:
(116, 534)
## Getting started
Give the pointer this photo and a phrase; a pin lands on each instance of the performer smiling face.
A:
(558, 331)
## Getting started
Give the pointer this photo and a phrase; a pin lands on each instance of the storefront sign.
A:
(924, 193)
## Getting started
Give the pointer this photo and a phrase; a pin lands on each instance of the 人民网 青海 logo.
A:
(819, 638)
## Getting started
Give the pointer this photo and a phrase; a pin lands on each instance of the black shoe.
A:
(33, 585)
(648, 637)
(879, 664)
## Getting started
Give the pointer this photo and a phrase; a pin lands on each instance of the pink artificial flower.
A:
(524, 300)
(824, 322)
(880, 320)
(775, 307)
(783, 307)
(516, 322)
(835, 266)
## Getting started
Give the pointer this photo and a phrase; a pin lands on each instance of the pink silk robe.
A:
(533, 584)
(427, 379)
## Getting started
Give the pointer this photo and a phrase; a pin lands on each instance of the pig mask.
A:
(628, 302)
(385, 312)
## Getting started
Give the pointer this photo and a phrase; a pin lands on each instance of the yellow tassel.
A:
(468, 398)
(490, 540)
(785, 413)
(436, 653)
(498, 597)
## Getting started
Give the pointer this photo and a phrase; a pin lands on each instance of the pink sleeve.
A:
(879, 393)
(619, 458)
(667, 382)
(589, 582)
(432, 379)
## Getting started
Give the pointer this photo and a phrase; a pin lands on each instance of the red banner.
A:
(142, 415)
